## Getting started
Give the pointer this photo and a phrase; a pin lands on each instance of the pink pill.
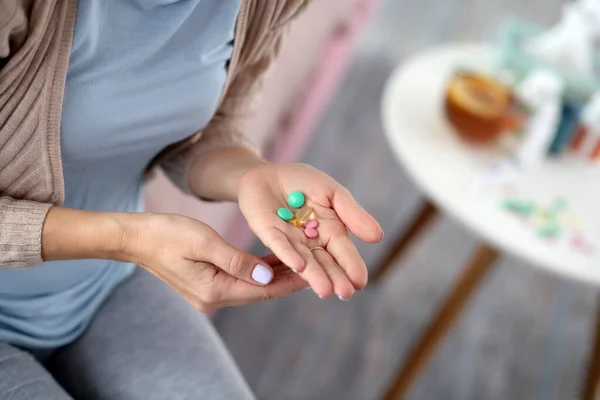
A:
(311, 233)
(313, 223)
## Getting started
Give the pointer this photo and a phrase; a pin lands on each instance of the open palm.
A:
(330, 263)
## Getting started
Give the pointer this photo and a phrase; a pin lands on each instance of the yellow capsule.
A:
(302, 216)
(297, 223)
(570, 221)
(541, 218)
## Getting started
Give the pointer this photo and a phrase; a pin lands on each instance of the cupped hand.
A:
(330, 263)
(198, 264)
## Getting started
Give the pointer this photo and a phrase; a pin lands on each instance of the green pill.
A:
(560, 204)
(525, 208)
(518, 207)
(285, 214)
(296, 199)
(550, 230)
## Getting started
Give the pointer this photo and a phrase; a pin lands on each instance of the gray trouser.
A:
(145, 343)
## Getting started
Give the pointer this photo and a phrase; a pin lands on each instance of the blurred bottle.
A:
(586, 143)
(541, 91)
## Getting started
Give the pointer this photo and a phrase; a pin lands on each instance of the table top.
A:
(446, 168)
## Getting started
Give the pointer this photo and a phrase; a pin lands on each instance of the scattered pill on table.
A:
(549, 230)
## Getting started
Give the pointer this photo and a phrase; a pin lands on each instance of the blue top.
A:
(142, 74)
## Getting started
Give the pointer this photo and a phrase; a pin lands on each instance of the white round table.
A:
(446, 168)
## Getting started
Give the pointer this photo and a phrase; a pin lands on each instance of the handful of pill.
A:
(304, 217)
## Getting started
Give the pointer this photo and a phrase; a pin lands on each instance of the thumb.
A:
(357, 219)
(238, 263)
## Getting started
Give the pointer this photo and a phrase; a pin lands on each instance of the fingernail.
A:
(342, 299)
(262, 274)
(382, 234)
(321, 297)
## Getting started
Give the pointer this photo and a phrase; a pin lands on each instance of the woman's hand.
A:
(202, 267)
(184, 253)
(265, 188)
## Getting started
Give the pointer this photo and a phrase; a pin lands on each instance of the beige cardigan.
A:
(35, 43)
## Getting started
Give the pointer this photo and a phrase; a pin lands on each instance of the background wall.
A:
(525, 335)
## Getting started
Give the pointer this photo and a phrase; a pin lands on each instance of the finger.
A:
(314, 274)
(343, 288)
(282, 270)
(279, 244)
(347, 256)
(272, 260)
(237, 263)
(358, 221)
(279, 268)
(237, 292)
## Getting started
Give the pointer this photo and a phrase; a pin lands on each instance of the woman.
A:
(93, 95)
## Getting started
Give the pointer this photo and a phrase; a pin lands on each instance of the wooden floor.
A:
(524, 337)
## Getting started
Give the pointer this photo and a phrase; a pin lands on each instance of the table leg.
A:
(590, 387)
(478, 267)
(423, 217)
